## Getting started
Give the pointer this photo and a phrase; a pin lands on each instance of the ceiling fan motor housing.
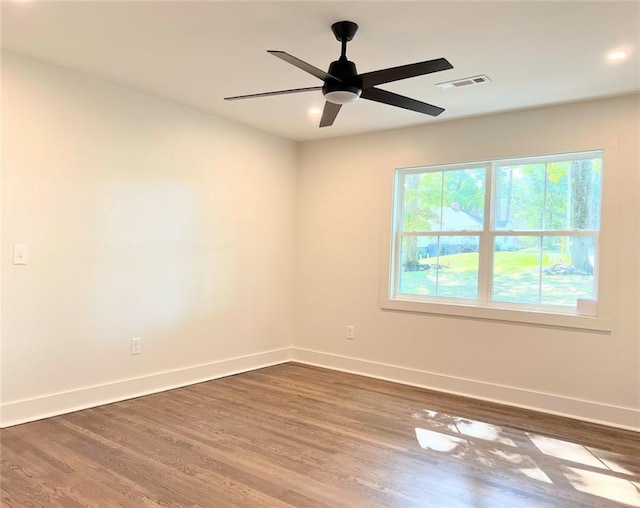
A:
(348, 89)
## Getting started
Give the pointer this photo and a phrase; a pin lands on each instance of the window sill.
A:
(473, 311)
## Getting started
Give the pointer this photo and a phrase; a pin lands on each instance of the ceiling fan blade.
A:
(300, 64)
(329, 113)
(278, 92)
(393, 99)
(404, 72)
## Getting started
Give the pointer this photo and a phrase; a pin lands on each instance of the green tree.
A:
(422, 193)
(581, 213)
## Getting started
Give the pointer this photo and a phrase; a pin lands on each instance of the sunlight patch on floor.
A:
(431, 440)
(482, 430)
(565, 450)
(540, 458)
(614, 466)
(602, 485)
(536, 473)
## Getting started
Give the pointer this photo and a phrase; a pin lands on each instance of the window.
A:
(518, 234)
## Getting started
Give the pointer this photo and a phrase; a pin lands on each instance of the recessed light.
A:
(617, 55)
(315, 111)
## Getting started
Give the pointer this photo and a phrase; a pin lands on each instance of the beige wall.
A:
(143, 219)
(343, 207)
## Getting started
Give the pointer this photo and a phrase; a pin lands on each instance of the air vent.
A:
(458, 83)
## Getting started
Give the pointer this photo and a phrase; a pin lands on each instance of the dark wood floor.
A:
(294, 435)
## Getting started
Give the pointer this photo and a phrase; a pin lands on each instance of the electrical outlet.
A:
(351, 332)
(136, 346)
(20, 254)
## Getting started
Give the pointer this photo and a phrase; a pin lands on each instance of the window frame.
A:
(484, 307)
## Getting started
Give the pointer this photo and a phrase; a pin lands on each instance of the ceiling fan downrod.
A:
(344, 32)
(349, 87)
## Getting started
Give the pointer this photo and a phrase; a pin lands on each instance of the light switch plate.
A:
(136, 346)
(20, 254)
(351, 332)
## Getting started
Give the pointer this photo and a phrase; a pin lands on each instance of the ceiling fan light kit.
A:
(342, 84)
(343, 96)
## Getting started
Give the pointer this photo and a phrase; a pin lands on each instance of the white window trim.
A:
(564, 317)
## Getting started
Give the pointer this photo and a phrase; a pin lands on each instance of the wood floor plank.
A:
(302, 436)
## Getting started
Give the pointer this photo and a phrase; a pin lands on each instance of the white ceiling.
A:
(196, 53)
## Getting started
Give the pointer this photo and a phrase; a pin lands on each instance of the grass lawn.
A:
(516, 279)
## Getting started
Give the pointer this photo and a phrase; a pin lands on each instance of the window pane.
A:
(567, 269)
(445, 266)
(458, 276)
(585, 189)
(516, 269)
(573, 195)
(549, 270)
(519, 197)
(557, 211)
(444, 201)
(463, 200)
(422, 201)
(556, 195)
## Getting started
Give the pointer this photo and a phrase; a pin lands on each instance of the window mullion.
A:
(485, 261)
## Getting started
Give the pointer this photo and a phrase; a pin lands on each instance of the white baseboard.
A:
(595, 412)
(22, 411)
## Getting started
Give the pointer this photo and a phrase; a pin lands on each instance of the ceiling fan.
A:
(343, 84)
